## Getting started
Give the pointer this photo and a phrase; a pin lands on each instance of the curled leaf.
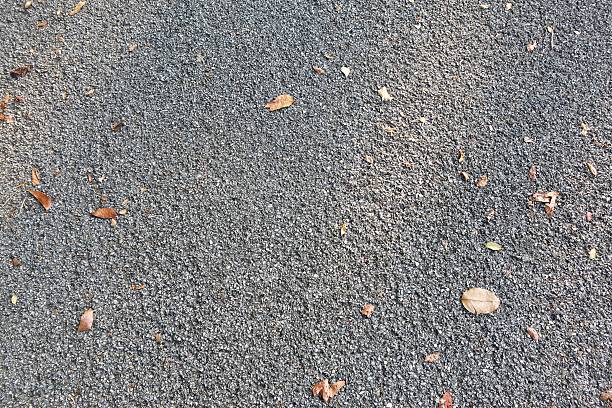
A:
(480, 301)
(367, 310)
(35, 177)
(105, 213)
(318, 388)
(493, 246)
(77, 8)
(446, 400)
(533, 334)
(86, 320)
(42, 198)
(280, 102)
(384, 94)
(334, 389)
(433, 357)
(465, 175)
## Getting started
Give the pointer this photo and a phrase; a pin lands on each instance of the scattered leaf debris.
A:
(465, 175)
(368, 159)
(549, 198)
(27, 4)
(533, 334)
(16, 262)
(136, 287)
(480, 301)
(432, 358)
(493, 246)
(104, 213)
(77, 8)
(606, 396)
(326, 391)
(113, 222)
(592, 169)
(343, 229)
(585, 129)
(482, 182)
(132, 47)
(490, 214)
(461, 156)
(117, 126)
(21, 71)
(346, 71)
(593, 253)
(367, 310)
(35, 177)
(42, 198)
(446, 400)
(588, 216)
(89, 92)
(14, 299)
(86, 320)
(123, 211)
(158, 338)
(531, 46)
(318, 70)
(40, 24)
(533, 173)
(280, 102)
(384, 94)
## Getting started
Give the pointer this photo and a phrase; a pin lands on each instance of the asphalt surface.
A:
(234, 212)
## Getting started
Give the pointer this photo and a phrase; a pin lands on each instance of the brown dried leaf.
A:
(606, 396)
(42, 198)
(384, 94)
(132, 47)
(533, 172)
(40, 24)
(6, 118)
(531, 46)
(369, 159)
(446, 400)
(334, 389)
(117, 126)
(465, 175)
(157, 338)
(533, 334)
(35, 177)
(585, 129)
(104, 213)
(461, 156)
(89, 92)
(318, 388)
(318, 70)
(86, 321)
(16, 262)
(343, 229)
(589, 216)
(77, 8)
(433, 357)
(4, 102)
(367, 310)
(20, 71)
(280, 102)
(592, 168)
(480, 301)
(137, 287)
(482, 182)
(113, 222)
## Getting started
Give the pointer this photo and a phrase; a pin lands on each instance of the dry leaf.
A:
(117, 126)
(280, 102)
(367, 310)
(384, 94)
(346, 71)
(533, 334)
(16, 262)
(42, 198)
(4, 102)
(593, 253)
(531, 46)
(77, 8)
(532, 172)
(86, 321)
(482, 182)
(104, 213)
(490, 214)
(508, 6)
(389, 129)
(318, 70)
(585, 129)
(592, 168)
(14, 299)
(325, 391)
(408, 165)
(433, 357)
(369, 159)
(480, 301)
(20, 71)
(89, 92)
(343, 229)
(606, 396)
(157, 338)
(589, 216)
(465, 175)
(493, 246)
(27, 4)
(485, 6)
(528, 139)
(318, 388)
(461, 157)
(334, 390)
(35, 177)
(132, 47)
(6, 118)
(113, 222)
(123, 211)
(138, 287)
(549, 198)
(40, 24)
(446, 400)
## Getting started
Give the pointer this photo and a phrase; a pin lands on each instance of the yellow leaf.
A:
(280, 102)
(480, 301)
(77, 8)
(493, 246)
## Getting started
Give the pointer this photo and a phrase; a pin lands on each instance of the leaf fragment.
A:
(158, 338)
(35, 177)
(325, 391)
(40, 24)
(318, 70)
(369, 159)
(533, 334)
(588, 216)
(508, 6)
(123, 211)
(531, 46)
(16, 262)
(482, 182)
(493, 246)
(532, 172)
(549, 198)
(585, 129)
(592, 169)
(432, 358)
(86, 320)
(77, 8)
(346, 71)
(606, 396)
(465, 175)
(490, 214)
(14, 299)
(343, 229)
(367, 310)
(42, 198)
(480, 301)
(280, 102)
(132, 47)
(20, 71)
(384, 94)
(27, 4)
(461, 156)
(104, 213)
(117, 126)
(446, 400)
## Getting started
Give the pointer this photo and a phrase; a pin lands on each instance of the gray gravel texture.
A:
(234, 211)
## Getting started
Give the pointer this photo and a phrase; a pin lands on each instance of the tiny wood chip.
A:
(104, 213)
(480, 301)
(42, 198)
(86, 320)
(280, 102)
(367, 310)
(77, 8)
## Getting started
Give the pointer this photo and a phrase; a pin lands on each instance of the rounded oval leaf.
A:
(493, 246)
(480, 301)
